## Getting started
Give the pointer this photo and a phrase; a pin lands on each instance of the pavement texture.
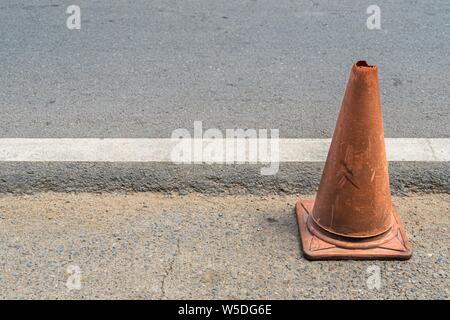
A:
(158, 246)
(142, 69)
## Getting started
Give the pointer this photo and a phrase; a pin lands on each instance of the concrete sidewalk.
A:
(157, 246)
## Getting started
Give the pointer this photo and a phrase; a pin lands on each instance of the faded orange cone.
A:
(353, 216)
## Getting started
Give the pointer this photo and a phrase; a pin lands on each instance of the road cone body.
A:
(353, 216)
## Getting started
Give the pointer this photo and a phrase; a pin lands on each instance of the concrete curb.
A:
(292, 178)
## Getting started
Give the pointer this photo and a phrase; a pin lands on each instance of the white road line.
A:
(159, 150)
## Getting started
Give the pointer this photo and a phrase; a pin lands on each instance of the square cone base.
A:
(315, 248)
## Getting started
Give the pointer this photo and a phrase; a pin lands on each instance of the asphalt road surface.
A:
(145, 68)
(141, 69)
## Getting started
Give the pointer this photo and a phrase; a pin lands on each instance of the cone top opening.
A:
(363, 66)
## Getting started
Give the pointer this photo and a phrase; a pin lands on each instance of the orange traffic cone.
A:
(353, 216)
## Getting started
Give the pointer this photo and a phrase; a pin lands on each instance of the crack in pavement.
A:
(169, 270)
